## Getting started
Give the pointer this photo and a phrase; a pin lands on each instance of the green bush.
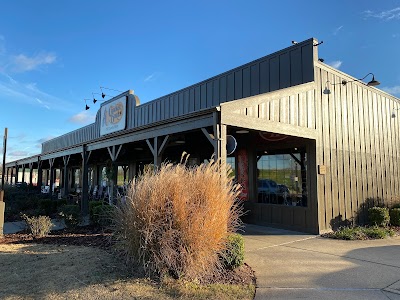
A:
(39, 226)
(92, 205)
(396, 205)
(233, 256)
(47, 206)
(361, 233)
(395, 216)
(103, 215)
(378, 216)
(71, 215)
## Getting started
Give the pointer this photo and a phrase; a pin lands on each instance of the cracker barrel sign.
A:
(113, 116)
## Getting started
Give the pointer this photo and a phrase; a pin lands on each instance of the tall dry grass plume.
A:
(177, 219)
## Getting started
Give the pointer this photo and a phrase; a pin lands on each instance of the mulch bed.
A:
(90, 236)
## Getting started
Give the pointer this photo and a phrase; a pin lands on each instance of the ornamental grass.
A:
(176, 220)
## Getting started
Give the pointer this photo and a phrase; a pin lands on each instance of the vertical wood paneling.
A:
(230, 87)
(191, 100)
(186, 102)
(203, 96)
(216, 90)
(197, 101)
(284, 70)
(222, 89)
(246, 82)
(295, 67)
(326, 155)
(255, 79)
(320, 159)
(238, 85)
(209, 94)
(351, 155)
(264, 77)
(181, 105)
(274, 73)
(334, 185)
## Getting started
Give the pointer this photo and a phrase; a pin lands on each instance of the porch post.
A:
(113, 155)
(40, 174)
(30, 173)
(51, 162)
(85, 188)
(65, 176)
(23, 173)
(157, 150)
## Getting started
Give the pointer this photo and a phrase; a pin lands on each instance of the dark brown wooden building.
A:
(314, 145)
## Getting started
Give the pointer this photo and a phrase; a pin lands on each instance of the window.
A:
(282, 177)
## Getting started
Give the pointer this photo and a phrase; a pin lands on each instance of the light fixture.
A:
(102, 93)
(373, 82)
(242, 131)
(138, 148)
(394, 112)
(86, 106)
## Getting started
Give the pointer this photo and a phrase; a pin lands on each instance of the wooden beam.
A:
(163, 145)
(208, 135)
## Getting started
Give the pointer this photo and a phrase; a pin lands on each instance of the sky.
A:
(55, 54)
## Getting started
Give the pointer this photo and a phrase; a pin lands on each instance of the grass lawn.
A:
(47, 271)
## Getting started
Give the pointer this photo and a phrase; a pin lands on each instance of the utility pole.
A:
(2, 204)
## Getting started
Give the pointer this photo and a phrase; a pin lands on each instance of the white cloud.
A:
(29, 93)
(82, 118)
(23, 63)
(152, 77)
(335, 64)
(386, 15)
(336, 30)
(394, 90)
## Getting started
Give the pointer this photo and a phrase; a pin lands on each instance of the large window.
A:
(282, 177)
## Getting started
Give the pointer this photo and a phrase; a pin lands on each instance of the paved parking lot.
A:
(293, 265)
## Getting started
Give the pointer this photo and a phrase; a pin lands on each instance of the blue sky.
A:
(54, 54)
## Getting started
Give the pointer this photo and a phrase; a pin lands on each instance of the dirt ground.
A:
(83, 265)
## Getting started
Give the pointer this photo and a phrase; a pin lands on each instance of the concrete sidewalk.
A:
(292, 265)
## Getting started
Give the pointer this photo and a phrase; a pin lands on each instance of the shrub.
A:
(395, 216)
(379, 216)
(233, 255)
(102, 215)
(361, 233)
(39, 226)
(176, 219)
(71, 215)
(47, 206)
(92, 205)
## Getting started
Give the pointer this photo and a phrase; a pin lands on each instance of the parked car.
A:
(267, 191)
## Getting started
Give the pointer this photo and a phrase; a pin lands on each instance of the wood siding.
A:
(290, 111)
(288, 67)
(358, 143)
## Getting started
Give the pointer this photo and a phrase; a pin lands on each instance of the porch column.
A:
(113, 152)
(12, 174)
(157, 150)
(85, 188)
(125, 169)
(8, 178)
(23, 173)
(51, 163)
(65, 176)
(132, 170)
(16, 173)
(30, 173)
(40, 174)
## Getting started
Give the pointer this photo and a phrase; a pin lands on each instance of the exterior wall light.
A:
(373, 82)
